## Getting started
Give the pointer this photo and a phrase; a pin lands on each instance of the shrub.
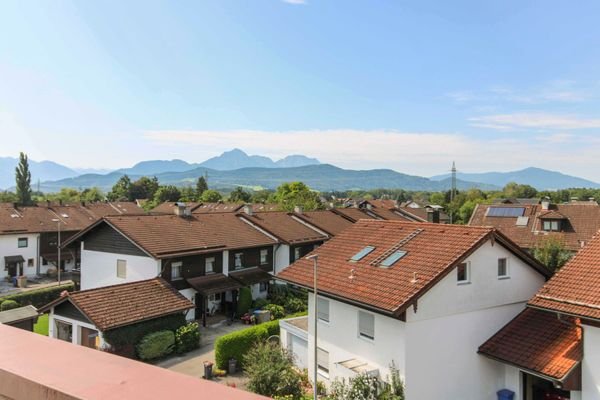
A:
(295, 305)
(277, 312)
(270, 371)
(187, 338)
(39, 297)
(8, 305)
(259, 303)
(244, 301)
(155, 345)
(237, 344)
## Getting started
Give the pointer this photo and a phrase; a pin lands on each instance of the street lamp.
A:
(58, 247)
(315, 258)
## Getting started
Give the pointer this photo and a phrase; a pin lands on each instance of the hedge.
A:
(244, 301)
(8, 305)
(187, 338)
(39, 297)
(156, 345)
(236, 344)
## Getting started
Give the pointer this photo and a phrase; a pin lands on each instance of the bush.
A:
(270, 371)
(244, 301)
(187, 338)
(40, 297)
(237, 344)
(259, 303)
(155, 345)
(277, 312)
(295, 305)
(8, 305)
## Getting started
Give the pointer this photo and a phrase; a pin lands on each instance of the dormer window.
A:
(551, 225)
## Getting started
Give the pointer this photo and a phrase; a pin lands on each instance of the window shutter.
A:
(322, 359)
(366, 324)
(323, 309)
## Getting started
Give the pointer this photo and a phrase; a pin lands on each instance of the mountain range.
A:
(236, 168)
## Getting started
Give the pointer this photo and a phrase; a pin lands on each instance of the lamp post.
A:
(58, 248)
(315, 258)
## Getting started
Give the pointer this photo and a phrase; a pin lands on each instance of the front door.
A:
(12, 269)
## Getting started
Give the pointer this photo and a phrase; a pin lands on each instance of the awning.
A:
(13, 259)
(213, 283)
(359, 367)
(251, 276)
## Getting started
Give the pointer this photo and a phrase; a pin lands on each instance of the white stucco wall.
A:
(282, 257)
(76, 329)
(590, 367)
(340, 338)
(9, 247)
(452, 320)
(190, 294)
(295, 340)
(100, 269)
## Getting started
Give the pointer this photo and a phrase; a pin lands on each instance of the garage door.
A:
(299, 348)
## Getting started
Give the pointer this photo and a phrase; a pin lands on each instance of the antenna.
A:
(453, 189)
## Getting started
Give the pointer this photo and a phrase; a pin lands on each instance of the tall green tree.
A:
(291, 194)
(211, 196)
(121, 189)
(552, 253)
(201, 187)
(143, 188)
(166, 193)
(239, 195)
(23, 180)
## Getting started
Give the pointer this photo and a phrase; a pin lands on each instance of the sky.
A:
(410, 86)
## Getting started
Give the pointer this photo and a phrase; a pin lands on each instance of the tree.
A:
(261, 196)
(515, 190)
(201, 187)
(23, 180)
(210, 196)
(290, 195)
(270, 371)
(166, 193)
(121, 189)
(8, 197)
(239, 195)
(143, 188)
(552, 253)
(92, 194)
(188, 194)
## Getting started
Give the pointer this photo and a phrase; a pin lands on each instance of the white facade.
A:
(435, 350)
(590, 366)
(281, 258)
(9, 246)
(76, 329)
(99, 268)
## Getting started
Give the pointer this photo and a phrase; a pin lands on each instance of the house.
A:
(552, 349)
(82, 317)
(423, 296)
(207, 257)
(529, 225)
(29, 235)
(203, 208)
(21, 317)
(411, 211)
(35, 367)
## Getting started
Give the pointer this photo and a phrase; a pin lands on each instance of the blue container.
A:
(505, 394)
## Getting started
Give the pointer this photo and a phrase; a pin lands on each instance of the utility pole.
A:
(315, 258)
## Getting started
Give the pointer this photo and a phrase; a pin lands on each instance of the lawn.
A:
(41, 326)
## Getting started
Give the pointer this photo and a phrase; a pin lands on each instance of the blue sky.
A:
(391, 84)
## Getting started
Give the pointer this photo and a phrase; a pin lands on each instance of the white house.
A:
(421, 296)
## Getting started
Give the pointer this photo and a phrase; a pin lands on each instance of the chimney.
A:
(574, 199)
(179, 209)
(545, 203)
(298, 209)
(433, 215)
(248, 209)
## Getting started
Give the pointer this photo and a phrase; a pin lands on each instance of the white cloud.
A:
(295, 2)
(533, 120)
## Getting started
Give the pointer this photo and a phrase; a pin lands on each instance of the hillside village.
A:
(406, 290)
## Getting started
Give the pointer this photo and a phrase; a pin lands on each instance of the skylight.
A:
(393, 258)
(505, 212)
(361, 254)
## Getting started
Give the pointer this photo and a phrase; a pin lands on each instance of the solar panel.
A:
(392, 258)
(505, 212)
(361, 254)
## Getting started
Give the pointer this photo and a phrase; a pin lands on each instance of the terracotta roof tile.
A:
(583, 222)
(118, 305)
(285, 227)
(326, 220)
(430, 254)
(575, 288)
(354, 214)
(539, 342)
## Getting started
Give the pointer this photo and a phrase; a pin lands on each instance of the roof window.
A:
(362, 254)
(392, 258)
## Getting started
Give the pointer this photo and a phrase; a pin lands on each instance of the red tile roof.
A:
(539, 342)
(168, 206)
(167, 235)
(583, 220)
(205, 208)
(432, 253)
(285, 227)
(113, 306)
(352, 213)
(575, 288)
(326, 220)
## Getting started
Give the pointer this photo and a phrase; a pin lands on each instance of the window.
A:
(392, 258)
(462, 273)
(121, 269)
(215, 297)
(263, 286)
(238, 260)
(209, 265)
(22, 242)
(323, 362)
(63, 331)
(296, 253)
(362, 254)
(30, 262)
(323, 309)
(502, 268)
(366, 325)
(264, 257)
(176, 271)
(551, 225)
